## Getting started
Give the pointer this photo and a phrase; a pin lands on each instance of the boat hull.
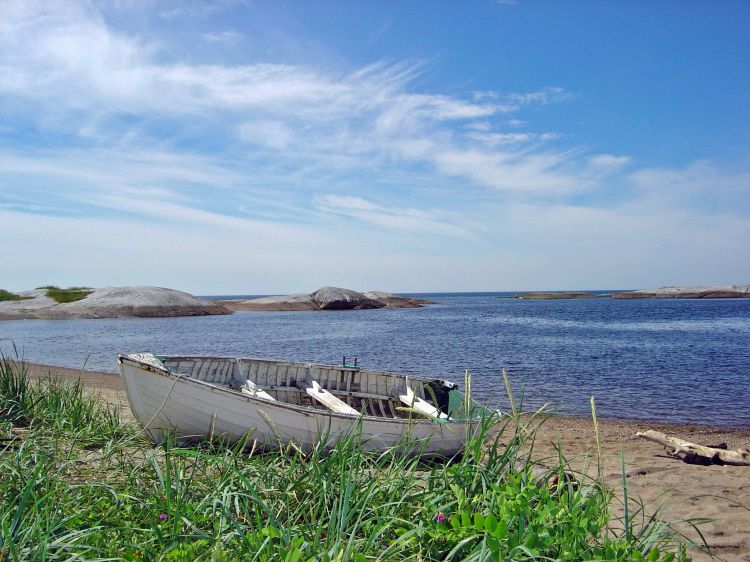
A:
(191, 410)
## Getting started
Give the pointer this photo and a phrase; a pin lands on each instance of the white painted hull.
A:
(194, 410)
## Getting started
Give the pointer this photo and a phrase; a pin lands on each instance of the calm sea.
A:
(668, 360)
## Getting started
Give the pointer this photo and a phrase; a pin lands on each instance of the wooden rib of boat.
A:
(274, 403)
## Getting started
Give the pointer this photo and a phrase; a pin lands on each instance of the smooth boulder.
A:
(335, 298)
(326, 298)
(395, 301)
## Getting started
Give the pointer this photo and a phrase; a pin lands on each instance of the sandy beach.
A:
(718, 495)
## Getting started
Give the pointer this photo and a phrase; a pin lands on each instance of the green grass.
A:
(71, 294)
(8, 296)
(79, 483)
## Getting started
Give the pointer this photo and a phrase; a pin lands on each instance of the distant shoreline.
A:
(158, 302)
(707, 292)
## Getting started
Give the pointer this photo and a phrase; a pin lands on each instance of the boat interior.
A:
(343, 389)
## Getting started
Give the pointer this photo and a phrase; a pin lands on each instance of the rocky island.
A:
(112, 302)
(699, 292)
(557, 296)
(326, 298)
(671, 292)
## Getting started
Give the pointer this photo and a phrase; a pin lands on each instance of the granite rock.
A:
(696, 292)
(111, 302)
(336, 298)
(325, 298)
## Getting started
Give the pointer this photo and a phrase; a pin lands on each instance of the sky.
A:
(266, 147)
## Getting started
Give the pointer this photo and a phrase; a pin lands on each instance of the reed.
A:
(80, 483)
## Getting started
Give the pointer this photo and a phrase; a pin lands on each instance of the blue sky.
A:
(268, 147)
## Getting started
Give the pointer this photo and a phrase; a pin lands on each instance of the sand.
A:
(719, 494)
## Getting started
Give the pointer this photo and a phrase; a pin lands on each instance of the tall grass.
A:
(17, 403)
(79, 483)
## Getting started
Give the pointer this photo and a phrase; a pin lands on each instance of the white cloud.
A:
(182, 254)
(501, 138)
(401, 219)
(76, 67)
(701, 185)
(189, 10)
(514, 172)
(348, 203)
(282, 168)
(544, 97)
(550, 136)
(71, 53)
(548, 246)
(272, 134)
(607, 163)
(698, 176)
(498, 138)
(228, 38)
(163, 210)
(104, 169)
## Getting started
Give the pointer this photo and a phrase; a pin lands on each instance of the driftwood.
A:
(698, 454)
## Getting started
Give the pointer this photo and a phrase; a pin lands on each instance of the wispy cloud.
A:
(546, 96)
(403, 219)
(702, 185)
(607, 163)
(97, 80)
(228, 38)
(271, 134)
(499, 138)
(550, 173)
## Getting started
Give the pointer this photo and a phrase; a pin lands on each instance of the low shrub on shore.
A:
(8, 296)
(71, 294)
(79, 483)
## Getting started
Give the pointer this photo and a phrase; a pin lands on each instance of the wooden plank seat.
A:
(320, 394)
(252, 389)
(413, 401)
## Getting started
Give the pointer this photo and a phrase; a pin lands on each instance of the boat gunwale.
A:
(299, 408)
(420, 378)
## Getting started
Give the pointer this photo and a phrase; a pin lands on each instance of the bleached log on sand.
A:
(682, 449)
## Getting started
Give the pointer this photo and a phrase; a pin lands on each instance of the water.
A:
(667, 360)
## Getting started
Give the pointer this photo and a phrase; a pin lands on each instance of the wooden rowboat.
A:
(274, 403)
